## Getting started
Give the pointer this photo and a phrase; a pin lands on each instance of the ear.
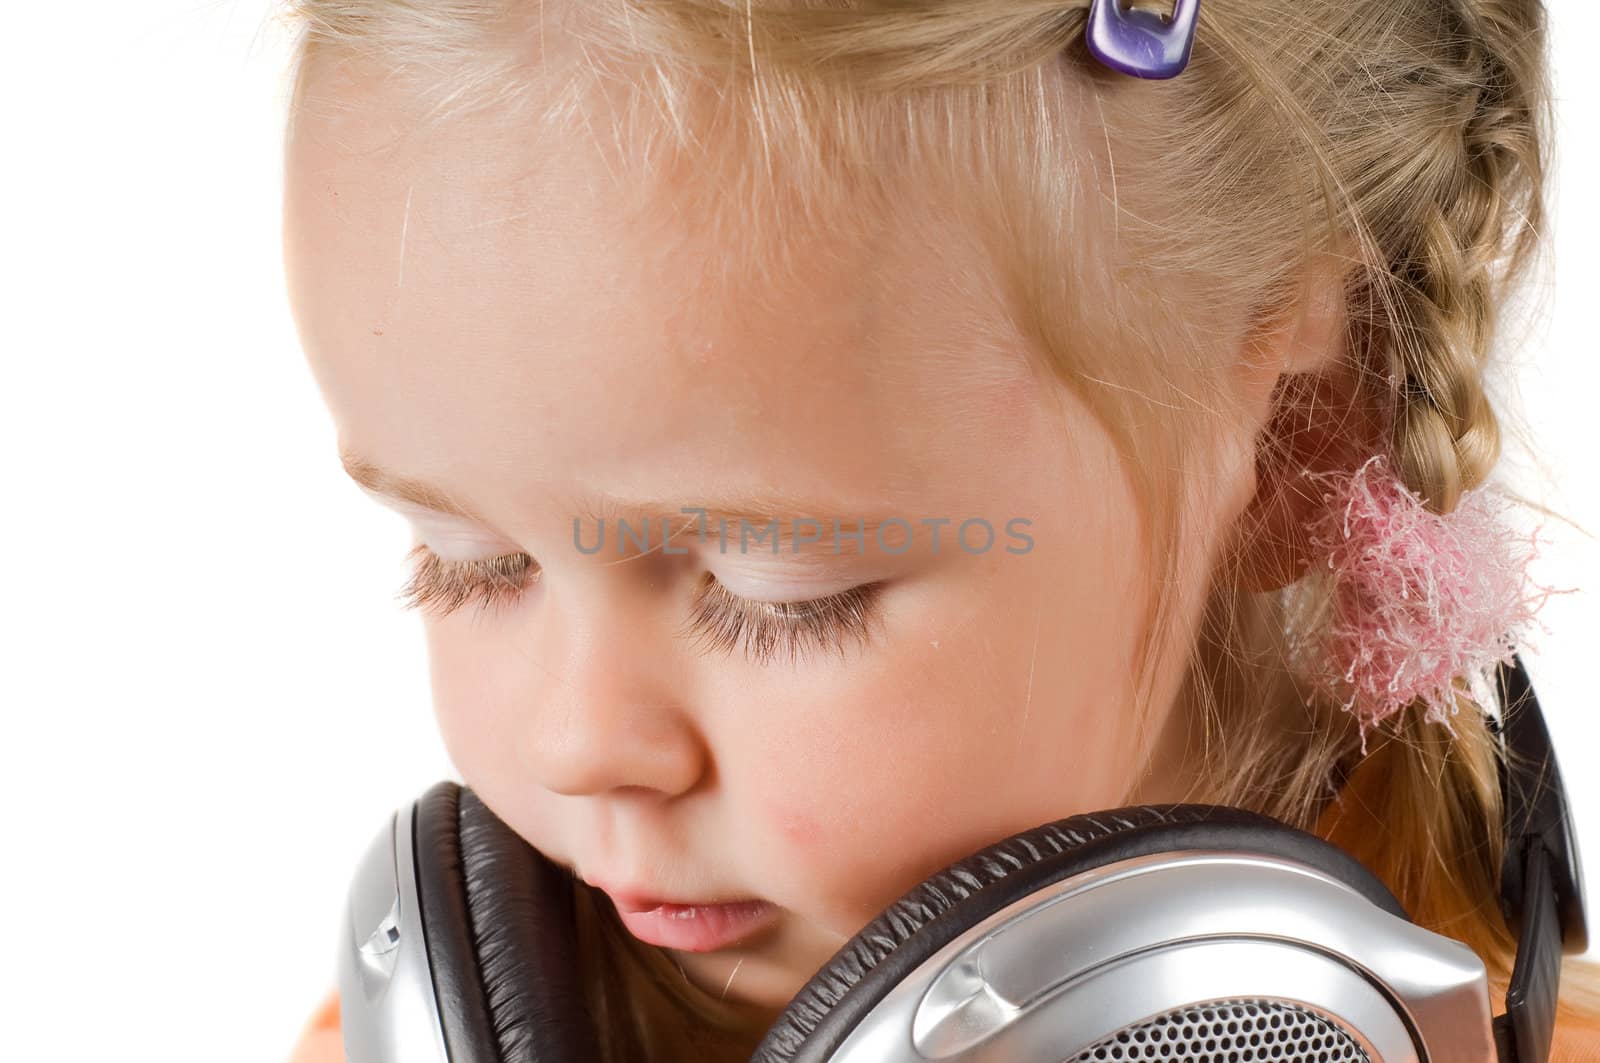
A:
(1306, 336)
(1315, 413)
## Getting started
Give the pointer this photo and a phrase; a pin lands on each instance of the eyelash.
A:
(727, 622)
(719, 619)
(439, 587)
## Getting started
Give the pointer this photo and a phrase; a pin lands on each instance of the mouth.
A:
(691, 926)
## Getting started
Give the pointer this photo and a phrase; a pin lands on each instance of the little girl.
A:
(841, 435)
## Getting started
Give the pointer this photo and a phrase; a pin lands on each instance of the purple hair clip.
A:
(1142, 43)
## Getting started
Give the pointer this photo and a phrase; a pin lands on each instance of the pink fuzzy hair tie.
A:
(1417, 600)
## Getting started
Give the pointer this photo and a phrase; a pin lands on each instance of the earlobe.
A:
(1321, 422)
(1272, 554)
(1315, 417)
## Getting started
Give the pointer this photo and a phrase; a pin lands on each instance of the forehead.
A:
(477, 303)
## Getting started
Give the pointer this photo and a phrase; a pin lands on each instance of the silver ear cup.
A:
(387, 1008)
(1172, 955)
(1230, 1030)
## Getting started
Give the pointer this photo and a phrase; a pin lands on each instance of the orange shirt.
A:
(321, 1041)
(1575, 1042)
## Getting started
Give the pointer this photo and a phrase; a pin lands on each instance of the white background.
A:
(211, 699)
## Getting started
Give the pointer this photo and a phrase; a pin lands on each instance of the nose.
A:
(603, 712)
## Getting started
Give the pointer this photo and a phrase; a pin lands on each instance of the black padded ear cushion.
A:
(498, 919)
(863, 971)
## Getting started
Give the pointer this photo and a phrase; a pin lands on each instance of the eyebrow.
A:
(757, 510)
(382, 481)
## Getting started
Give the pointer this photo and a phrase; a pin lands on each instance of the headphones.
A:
(1186, 933)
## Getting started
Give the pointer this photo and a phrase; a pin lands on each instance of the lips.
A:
(689, 926)
(700, 927)
(633, 902)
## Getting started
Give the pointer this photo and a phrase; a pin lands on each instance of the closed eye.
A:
(719, 619)
(439, 587)
(725, 621)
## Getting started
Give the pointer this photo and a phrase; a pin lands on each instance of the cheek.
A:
(799, 829)
(856, 804)
(477, 715)
(832, 852)
(466, 704)
(921, 760)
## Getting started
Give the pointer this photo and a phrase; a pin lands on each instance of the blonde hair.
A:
(1404, 140)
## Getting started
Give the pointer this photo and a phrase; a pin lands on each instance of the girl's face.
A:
(481, 322)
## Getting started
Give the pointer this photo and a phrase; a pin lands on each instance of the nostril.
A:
(639, 757)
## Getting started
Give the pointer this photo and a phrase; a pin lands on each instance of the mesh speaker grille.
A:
(1230, 1031)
